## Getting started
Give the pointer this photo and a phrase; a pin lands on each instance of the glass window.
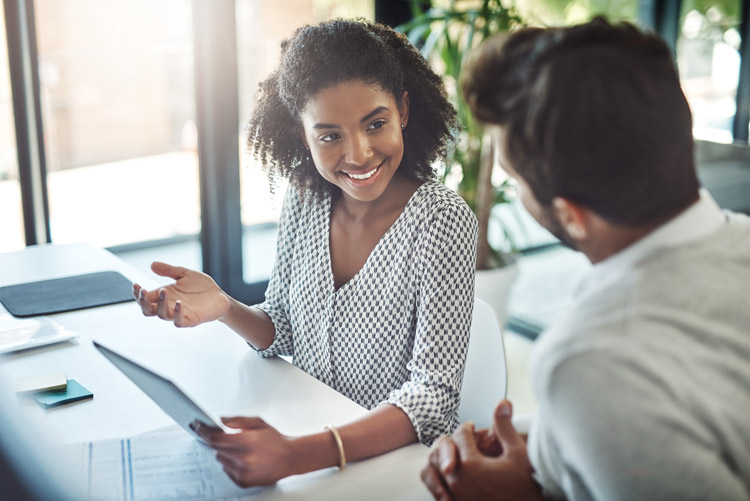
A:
(261, 26)
(709, 62)
(118, 109)
(11, 222)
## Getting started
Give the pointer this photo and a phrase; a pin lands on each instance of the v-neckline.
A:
(327, 235)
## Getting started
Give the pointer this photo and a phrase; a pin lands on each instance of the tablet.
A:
(165, 393)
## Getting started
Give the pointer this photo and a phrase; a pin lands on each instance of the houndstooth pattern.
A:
(398, 331)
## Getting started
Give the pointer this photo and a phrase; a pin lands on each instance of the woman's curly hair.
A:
(319, 56)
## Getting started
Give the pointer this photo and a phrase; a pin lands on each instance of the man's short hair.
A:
(593, 113)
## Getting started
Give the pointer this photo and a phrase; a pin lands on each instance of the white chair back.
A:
(485, 377)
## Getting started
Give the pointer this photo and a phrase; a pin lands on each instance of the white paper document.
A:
(165, 464)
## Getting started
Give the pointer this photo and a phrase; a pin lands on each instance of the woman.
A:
(372, 290)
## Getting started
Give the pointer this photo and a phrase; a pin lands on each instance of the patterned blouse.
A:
(398, 331)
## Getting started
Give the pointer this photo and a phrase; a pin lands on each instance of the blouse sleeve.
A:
(447, 262)
(276, 305)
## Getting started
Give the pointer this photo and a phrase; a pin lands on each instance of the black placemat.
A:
(66, 294)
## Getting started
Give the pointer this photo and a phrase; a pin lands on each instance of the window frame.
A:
(23, 65)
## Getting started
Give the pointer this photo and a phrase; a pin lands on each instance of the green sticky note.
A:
(74, 392)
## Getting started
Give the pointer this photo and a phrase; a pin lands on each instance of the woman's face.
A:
(354, 133)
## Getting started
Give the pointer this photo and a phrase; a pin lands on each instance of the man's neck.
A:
(607, 239)
(612, 240)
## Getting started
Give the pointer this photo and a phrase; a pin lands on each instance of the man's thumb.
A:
(502, 428)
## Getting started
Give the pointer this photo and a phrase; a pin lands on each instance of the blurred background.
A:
(109, 103)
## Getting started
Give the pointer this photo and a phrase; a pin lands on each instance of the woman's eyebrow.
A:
(365, 118)
(373, 113)
(326, 126)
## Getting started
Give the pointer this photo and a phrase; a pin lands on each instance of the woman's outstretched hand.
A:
(193, 299)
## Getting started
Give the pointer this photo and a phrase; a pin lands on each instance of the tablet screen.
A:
(164, 392)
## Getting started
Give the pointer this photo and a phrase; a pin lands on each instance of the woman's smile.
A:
(363, 177)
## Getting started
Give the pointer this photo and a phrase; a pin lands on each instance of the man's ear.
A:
(403, 109)
(574, 218)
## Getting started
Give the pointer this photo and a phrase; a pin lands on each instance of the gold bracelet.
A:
(339, 444)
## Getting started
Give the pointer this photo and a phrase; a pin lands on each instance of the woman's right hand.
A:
(193, 299)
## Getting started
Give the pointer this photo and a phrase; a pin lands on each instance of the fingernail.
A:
(142, 294)
(177, 306)
(162, 294)
(505, 409)
(445, 463)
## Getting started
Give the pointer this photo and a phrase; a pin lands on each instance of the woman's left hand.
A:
(257, 455)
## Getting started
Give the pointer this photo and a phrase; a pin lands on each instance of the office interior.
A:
(122, 126)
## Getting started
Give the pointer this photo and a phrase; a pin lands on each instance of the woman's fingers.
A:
(235, 474)
(179, 315)
(162, 305)
(153, 303)
(148, 307)
(233, 459)
(157, 303)
(245, 423)
(167, 270)
(219, 440)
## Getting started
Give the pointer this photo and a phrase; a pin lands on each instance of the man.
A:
(643, 385)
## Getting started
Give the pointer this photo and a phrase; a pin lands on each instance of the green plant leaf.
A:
(447, 34)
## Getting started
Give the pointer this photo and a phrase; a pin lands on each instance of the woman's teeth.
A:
(363, 176)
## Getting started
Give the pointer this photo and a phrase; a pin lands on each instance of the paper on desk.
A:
(44, 382)
(22, 333)
(164, 464)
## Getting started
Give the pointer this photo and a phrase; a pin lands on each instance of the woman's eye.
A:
(376, 124)
(329, 137)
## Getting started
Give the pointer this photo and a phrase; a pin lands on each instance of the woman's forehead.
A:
(350, 100)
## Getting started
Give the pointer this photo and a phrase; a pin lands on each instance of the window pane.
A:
(119, 119)
(709, 62)
(261, 26)
(11, 222)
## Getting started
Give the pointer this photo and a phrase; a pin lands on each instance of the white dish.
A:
(24, 333)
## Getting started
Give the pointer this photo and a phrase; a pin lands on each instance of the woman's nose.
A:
(358, 150)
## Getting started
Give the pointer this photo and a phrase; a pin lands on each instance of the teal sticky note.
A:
(74, 392)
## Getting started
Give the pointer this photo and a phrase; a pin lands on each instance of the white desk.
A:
(210, 362)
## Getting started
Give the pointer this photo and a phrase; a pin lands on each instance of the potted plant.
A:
(446, 32)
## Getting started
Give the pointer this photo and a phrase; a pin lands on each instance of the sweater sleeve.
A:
(447, 261)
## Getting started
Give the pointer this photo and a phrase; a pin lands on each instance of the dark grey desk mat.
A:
(66, 294)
